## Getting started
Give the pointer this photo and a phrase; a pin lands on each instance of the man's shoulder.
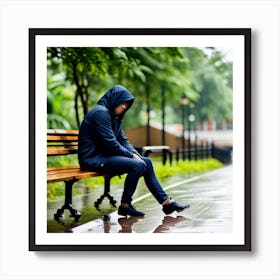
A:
(99, 109)
(98, 112)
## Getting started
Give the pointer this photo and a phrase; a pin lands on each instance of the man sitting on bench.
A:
(103, 147)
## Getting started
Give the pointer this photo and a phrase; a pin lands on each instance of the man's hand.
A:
(136, 157)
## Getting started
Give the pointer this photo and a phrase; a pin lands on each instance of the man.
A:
(103, 147)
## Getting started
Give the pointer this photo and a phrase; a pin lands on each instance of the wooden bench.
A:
(65, 142)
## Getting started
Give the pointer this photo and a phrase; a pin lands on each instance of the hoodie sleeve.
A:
(125, 143)
(107, 138)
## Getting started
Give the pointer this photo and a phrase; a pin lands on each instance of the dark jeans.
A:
(135, 169)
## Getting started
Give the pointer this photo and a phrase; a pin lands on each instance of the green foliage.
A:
(55, 189)
(67, 160)
(59, 103)
(77, 77)
(186, 167)
(212, 79)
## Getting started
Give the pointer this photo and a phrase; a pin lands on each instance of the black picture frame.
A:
(34, 33)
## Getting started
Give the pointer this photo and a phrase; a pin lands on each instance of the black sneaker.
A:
(129, 211)
(173, 206)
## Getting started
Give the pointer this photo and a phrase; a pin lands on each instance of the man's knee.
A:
(140, 166)
(147, 161)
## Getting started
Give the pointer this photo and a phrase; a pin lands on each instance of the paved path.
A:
(210, 199)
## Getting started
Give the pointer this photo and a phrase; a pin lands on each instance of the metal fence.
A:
(205, 150)
(201, 150)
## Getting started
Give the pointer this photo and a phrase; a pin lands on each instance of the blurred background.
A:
(181, 94)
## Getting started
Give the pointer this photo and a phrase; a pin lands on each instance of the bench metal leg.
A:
(146, 154)
(68, 203)
(164, 157)
(106, 193)
(170, 156)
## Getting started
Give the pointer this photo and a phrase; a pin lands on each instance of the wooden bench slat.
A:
(86, 174)
(67, 176)
(63, 168)
(62, 131)
(68, 173)
(65, 151)
(73, 171)
(64, 138)
(65, 171)
(59, 178)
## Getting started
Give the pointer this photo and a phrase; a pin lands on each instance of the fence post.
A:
(201, 149)
(189, 148)
(206, 149)
(195, 148)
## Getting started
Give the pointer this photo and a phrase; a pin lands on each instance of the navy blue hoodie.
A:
(101, 135)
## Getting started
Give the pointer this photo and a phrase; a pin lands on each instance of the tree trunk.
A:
(80, 92)
(148, 143)
(77, 109)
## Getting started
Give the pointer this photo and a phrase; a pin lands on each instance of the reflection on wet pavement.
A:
(168, 222)
(210, 199)
(126, 223)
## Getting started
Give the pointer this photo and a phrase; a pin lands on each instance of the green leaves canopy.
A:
(77, 77)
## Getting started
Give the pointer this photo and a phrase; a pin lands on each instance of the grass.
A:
(163, 172)
(186, 167)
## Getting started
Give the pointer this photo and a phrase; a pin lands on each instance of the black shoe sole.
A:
(123, 214)
(181, 210)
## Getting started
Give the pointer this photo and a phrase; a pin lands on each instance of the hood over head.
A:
(115, 97)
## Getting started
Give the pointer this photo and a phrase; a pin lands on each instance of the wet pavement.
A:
(210, 211)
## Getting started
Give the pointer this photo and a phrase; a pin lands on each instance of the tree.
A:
(86, 73)
(212, 79)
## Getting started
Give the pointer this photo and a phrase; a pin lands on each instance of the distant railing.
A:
(198, 150)
(205, 150)
(223, 154)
